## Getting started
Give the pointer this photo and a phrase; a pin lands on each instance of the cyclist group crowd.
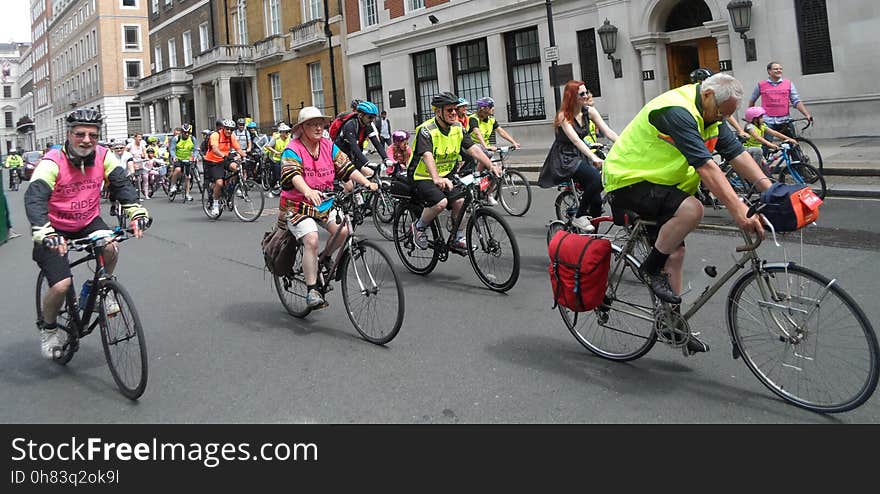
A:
(654, 180)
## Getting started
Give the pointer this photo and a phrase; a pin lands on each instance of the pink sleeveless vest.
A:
(317, 174)
(775, 99)
(76, 199)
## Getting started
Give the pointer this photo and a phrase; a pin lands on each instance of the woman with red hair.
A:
(570, 157)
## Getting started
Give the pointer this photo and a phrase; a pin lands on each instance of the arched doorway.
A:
(691, 48)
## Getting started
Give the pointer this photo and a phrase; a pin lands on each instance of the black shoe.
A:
(659, 284)
(694, 345)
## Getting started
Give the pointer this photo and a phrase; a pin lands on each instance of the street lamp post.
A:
(240, 67)
(741, 18)
(556, 96)
(608, 38)
(329, 34)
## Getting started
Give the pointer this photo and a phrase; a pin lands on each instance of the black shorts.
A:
(429, 194)
(215, 171)
(183, 165)
(650, 200)
(57, 267)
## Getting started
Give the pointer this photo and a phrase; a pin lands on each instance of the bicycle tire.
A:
(196, 178)
(810, 177)
(486, 240)
(811, 156)
(132, 381)
(62, 318)
(383, 214)
(266, 177)
(416, 260)
(797, 358)
(292, 288)
(565, 201)
(592, 329)
(367, 262)
(509, 188)
(250, 205)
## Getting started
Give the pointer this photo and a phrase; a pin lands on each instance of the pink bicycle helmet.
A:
(754, 112)
(399, 136)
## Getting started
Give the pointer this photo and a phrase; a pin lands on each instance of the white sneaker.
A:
(173, 189)
(239, 193)
(583, 223)
(111, 306)
(52, 341)
(189, 197)
(314, 300)
(215, 209)
(490, 200)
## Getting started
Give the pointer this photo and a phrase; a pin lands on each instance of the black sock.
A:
(312, 287)
(655, 261)
(52, 326)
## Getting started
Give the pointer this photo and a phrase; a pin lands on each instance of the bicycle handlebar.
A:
(97, 237)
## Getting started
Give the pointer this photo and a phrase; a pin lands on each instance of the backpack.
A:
(337, 123)
(579, 266)
(203, 146)
(790, 207)
(279, 250)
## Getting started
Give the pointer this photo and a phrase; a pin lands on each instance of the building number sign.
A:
(647, 75)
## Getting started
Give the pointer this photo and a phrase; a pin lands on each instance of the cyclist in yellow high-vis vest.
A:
(658, 162)
(437, 146)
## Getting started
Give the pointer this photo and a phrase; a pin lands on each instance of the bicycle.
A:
(770, 316)
(15, 178)
(512, 188)
(122, 335)
(238, 195)
(570, 191)
(806, 152)
(487, 235)
(369, 281)
(191, 171)
(159, 180)
(793, 171)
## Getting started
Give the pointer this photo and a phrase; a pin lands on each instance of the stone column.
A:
(173, 111)
(201, 109)
(444, 68)
(721, 32)
(647, 45)
(224, 98)
(145, 117)
(160, 117)
(497, 77)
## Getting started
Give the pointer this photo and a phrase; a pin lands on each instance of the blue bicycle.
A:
(791, 169)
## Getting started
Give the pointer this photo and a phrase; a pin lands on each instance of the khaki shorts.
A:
(308, 225)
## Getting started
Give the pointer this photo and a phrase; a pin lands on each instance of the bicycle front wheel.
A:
(383, 214)
(247, 202)
(372, 293)
(566, 201)
(196, 178)
(514, 193)
(804, 338)
(492, 250)
(292, 288)
(802, 173)
(123, 339)
(416, 260)
(63, 318)
(808, 153)
(622, 328)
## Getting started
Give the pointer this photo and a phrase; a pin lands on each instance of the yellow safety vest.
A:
(446, 149)
(644, 154)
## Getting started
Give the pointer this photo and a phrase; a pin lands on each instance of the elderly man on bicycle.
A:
(63, 202)
(657, 164)
(309, 164)
(438, 146)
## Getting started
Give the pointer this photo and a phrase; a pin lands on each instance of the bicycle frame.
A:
(345, 252)
(83, 323)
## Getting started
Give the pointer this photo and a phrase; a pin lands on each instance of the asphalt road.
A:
(223, 350)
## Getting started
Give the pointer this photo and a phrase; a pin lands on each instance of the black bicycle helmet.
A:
(700, 75)
(84, 116)
(355, 102)
(186, 128)
(444, 99)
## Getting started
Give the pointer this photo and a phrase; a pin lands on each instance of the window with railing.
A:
(369, 13)
(272, 16)
(312, 9)
(589, 59)
(275, 85)
(373, 79)
(317, 84)
(470, 70)
(8, 121)
(524, 75)
(7, 91)
(241, 34)
(425, 72)
(814, 37)
(132, 73)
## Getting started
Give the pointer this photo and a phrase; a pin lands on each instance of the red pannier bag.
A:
(578, 270)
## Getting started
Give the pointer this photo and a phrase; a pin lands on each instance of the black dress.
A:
(564, 158)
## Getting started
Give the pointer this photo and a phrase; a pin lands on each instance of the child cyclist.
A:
(399, 151)
(757, 129)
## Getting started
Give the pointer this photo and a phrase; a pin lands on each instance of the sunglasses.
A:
(82, 135)
(583, 93)
(450, 110)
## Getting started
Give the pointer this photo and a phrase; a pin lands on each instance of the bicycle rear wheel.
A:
(416, 260)
(249, 205)
(807, 175)
(383, 214)
(804, 338)
(514, 193)
(808, 153)
(123, 340)
(292, 289)
(63, 318)
(622, 328)
(207, 201)
(372, 293)
(565, 201)
(492, 250)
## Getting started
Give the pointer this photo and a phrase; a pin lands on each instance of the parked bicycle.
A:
(371, 291)
(490, 244)
(122, 335)
(798, 331)
(238, 195)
